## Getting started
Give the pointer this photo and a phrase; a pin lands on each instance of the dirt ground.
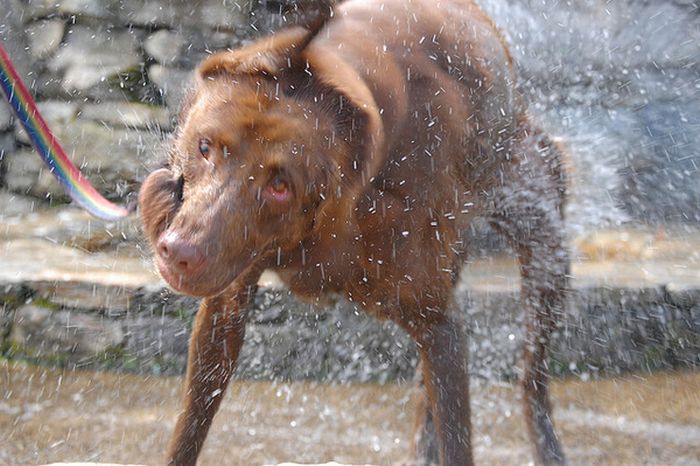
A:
(49, 415)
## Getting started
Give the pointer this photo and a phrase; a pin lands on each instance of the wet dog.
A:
(350, 156)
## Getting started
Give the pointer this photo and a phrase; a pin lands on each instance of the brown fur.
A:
(351, 157)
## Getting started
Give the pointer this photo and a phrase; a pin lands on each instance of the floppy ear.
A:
(360, 113)
(269, 56)
(290, 54)
(266, 56)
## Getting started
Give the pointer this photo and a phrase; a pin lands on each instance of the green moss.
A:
(653, 358)
(45, 304)
(8, 349)
(11, 301)
(52, 359)
(133, 83)
(13, 351)
(185, 316)
(116, 357)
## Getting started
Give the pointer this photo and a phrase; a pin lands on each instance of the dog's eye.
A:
(279, 185)
(278, 189)
(204, 147)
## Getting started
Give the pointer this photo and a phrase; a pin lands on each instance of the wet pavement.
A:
(49, 415)
(67, 244)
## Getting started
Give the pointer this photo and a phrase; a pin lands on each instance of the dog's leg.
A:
(217, 337)
(542, 297)
(529, 213)
(423, 450)
(544, 269)
(443, 350)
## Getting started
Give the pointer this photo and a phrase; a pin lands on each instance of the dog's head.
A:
(271, 135)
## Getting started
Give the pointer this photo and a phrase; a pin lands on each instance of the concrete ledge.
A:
(76, 292)
(91, 464)
(332, 463)
(607, 330)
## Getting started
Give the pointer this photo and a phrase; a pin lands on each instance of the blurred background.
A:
(93, 345)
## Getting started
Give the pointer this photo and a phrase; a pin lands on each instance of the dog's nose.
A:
(180, 255)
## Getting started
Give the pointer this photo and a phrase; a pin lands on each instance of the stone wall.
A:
(606, 331)
(618, 82)
(108, 76)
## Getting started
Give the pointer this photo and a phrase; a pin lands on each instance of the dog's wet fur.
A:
(350, 157)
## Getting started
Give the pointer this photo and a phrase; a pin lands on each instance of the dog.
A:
(350, 156)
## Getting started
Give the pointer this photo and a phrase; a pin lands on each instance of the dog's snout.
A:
(180, 255)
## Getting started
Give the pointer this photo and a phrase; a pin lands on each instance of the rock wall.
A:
(108, 76)
(618, 82)
(606, 331)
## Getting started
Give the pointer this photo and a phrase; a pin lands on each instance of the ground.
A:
(49, 415)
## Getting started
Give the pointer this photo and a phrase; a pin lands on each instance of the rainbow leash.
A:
(75, 184)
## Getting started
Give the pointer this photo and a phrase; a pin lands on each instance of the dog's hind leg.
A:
(442, 434)
(528, 209)
(443, 350)
(424, 447)
(543, 271)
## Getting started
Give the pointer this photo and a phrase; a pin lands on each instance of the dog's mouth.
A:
(200, 284)
(207, 281)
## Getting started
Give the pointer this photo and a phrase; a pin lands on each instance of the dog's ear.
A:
(358, 114)
(292, 56)
(270, 56)
(264, 57)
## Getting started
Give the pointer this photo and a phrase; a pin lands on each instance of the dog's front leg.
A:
(443, 349)
(217, 337)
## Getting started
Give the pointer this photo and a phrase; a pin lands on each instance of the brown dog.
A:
(350, 157)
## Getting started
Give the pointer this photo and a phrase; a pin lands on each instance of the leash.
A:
(75, 184)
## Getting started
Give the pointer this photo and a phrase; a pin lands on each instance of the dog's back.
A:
(442, 79)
